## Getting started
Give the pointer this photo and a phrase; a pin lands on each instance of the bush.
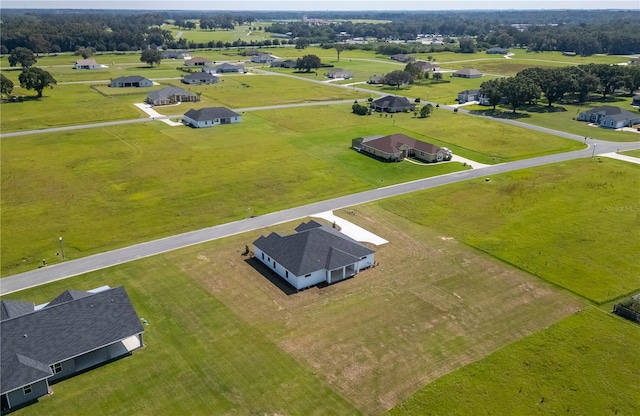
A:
(360, 110)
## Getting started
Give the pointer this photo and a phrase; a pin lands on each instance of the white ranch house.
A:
(314, 254)
(610, 117)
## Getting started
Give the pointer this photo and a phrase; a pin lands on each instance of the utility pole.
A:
(61, 248)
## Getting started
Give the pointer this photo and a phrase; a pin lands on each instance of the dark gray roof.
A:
(13, 308)
(468, 71)
(616, 113)
(167, 92)
(391, 101)
(66, 296)
(33, 341)
(227, 65)
(131, 78)
(200, 76)
(210, 113)
(313, 247)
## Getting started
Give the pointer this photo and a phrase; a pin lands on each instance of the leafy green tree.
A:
(553, 82)
(437, 76)
(340, 47)
(85, 52)
(308, 62)
(6, 85)
(426, 110)
(492, 91)
(467, 44)
(22, 56)
(360, 110)
(519, 90)
(302, 43)
(504, 40)
(36, 79)
(397, 78)
(610, 77)
(632, 78)
(415, 71)
(151, 56)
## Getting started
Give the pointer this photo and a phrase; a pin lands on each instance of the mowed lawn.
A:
(429, 307)
(110, 187)
(586, 364)
(574, 224)
(200, 357)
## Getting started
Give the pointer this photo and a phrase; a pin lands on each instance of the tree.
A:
(6, 85)
(467, 44)
(85, 52)
(610, 76)
(339, 48)
(554, 82)
(151, 56)
(360, 110)
(492, 91)
(308, 62)
(437, 76)
(426, 110)
(519, 90)
(415, 71)
(36, 79)
(632, 78)
(22, 56)
(398, 78)
(301, 43)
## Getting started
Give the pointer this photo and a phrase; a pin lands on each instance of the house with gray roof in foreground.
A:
(199, 78)
(73, 333)
(610, 117)
(211, 116)
(315, 254)
(467, 73)
(170, 95)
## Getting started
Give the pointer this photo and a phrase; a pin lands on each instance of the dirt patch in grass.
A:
(431, 306)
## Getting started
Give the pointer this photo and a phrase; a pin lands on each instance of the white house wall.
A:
(299, 282)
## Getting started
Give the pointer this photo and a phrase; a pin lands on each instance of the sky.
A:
(323, 5)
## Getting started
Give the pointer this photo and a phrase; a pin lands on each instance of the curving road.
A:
(111, 258)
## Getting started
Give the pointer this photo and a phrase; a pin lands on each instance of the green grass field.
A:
(634, 153)
(573, 224)
(200, 357)
(587, 364)
(226, 340)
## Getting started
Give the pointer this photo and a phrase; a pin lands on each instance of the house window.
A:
(26, 389)
(421, 153)
(363, 258)
(56, 368)
(307, 275)
(262, 256)
(286, 274)
(274, 264)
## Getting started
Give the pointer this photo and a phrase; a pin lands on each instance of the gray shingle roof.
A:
(210, 113)
(313, 247)
(131, 78)
(392, 101)
(200, 76)
(227, 65)
(13, 308)
(468, 72)
(167, 92)
(616, 113)
(33, 341)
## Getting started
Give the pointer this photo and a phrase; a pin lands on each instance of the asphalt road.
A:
(111, 258)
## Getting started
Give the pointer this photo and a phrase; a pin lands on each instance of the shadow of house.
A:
(271, 276)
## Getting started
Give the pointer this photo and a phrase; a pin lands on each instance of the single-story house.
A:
(468, 96)
(227, 67)
(393, 104)
(287, 63)
(176, 55)
(198, 61)
(339, 73)
(315, 254)
(200, 78)
(72, 333)
(402, 57)
(210, 116)
(131, 81)
(252, 52)
(497, 51)
(635, 101)
(468, 73)
(263, 58)
(86, 64)
(397, 147)
(170, 95)
(427, 66)
(376, 79)
(610, 117)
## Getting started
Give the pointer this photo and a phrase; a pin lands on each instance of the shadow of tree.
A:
(500, 114)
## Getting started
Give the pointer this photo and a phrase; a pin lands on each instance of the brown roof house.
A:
(392, 104)
(427, 66)
(396, 147)
(402, 57)
(467, 73)
(198, 61)
(170, 95)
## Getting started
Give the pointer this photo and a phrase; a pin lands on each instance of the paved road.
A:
(111, 258)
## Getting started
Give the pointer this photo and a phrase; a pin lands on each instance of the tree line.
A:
(530, 84)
